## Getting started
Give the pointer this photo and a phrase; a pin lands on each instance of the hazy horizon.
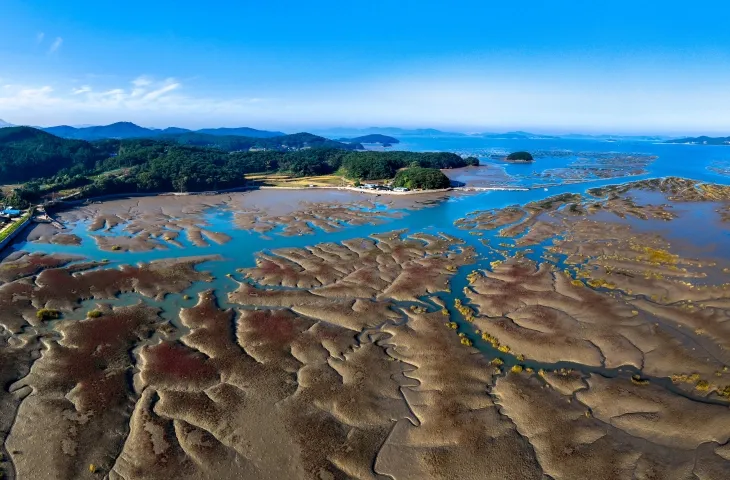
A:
(631, 69)
(344, 128)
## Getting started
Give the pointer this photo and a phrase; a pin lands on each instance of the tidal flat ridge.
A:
(265, 335)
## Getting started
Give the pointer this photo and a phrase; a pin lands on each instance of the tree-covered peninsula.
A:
(47, 164)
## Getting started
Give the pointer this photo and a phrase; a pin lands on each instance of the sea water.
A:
(690, 161)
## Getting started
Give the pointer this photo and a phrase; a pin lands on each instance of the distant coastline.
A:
(702, 140)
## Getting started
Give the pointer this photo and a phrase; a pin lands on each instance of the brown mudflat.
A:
(341, 360)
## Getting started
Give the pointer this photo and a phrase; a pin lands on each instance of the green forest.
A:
(46, 164)
(27, 153)
(421, 178)
(233, 143)
(520, 157)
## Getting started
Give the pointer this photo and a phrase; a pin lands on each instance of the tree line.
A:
(46, 164)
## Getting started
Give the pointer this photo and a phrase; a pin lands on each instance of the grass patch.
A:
(284, 180)
(47, 314)
(683, 378)
(7, 231)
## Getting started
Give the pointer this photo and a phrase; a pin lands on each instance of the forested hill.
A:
(232, 143)
(374, 138)
(27, 153)
(702, 140)
(115, 130)
(51, 164)
(121, 130)
(241, 132)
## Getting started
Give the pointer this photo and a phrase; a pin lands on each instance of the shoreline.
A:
(72, 203)
(410, 192)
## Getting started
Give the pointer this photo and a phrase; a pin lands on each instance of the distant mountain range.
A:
(702, 140)
(420, 132)
(227, 139)
(518, 135)
(121, 130)
(27, 152)
(130, 130)
(241, 132)
(372, 138)
(344, 132)
(629, 138)
(237, 143)
(513, 135)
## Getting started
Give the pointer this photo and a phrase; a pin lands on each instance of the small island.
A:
(703, 140)
(383, 140)
(519, 157)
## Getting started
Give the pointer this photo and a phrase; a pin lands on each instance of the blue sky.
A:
(618, 67)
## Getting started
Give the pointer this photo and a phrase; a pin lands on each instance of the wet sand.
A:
(165, 221)
(480, 176)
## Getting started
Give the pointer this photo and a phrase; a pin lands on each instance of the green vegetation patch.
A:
(12, 228)
(27, 153)
(47, 314)
(520, 157)
(421, 178)
(381, 165)
(186, 163)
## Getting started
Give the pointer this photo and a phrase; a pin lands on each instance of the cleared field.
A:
(8, 189)
(283, 180)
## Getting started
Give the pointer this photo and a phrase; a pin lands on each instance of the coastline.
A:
(411, 192)
(246, 189)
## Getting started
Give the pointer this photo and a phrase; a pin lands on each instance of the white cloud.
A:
(55, 45)
(80, 90)
(146, 89)
(39, 37)
(21, 98)
(168, 87)
(116, 92)
(86, 103)
(141, 81)
(477, 104)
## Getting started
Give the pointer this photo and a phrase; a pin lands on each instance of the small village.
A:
(373, 186)
(14, 220)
